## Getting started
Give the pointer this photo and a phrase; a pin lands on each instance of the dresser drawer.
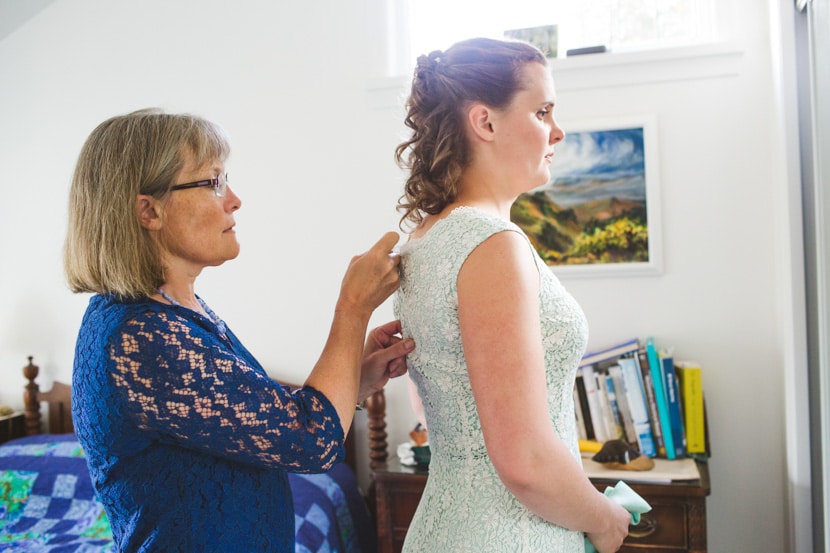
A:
(676, 522)
(664, 527)
(396, 497)
(402, 508)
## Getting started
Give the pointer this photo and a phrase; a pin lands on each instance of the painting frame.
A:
(593, 131)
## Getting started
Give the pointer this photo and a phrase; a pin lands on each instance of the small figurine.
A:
(416, 451)
(419, 435)
(618, 455)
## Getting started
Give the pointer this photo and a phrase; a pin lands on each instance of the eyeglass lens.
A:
(221, 184)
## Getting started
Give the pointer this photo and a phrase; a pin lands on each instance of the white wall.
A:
(295, 84)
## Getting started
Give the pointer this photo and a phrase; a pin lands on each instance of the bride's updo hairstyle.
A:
(444, 85)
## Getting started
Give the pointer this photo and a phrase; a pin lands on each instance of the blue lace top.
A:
(188, 440)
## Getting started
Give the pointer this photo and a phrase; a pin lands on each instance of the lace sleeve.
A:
(181, 383)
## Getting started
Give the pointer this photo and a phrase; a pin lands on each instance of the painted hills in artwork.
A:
(594, 208)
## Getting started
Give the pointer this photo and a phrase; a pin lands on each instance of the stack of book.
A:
(633, 392)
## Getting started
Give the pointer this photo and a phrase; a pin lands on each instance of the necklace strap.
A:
(220, 324)
(168, 298)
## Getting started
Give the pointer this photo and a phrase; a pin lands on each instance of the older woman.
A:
(188, 440)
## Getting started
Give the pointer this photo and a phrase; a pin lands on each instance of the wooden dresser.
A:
(676, 523)
(12, 426)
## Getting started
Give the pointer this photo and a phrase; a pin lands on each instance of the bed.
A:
(47, 503)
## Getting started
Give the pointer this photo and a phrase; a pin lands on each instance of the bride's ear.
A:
(148, 210)
(479, 118)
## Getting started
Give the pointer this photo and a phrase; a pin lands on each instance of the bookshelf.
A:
(635, 392)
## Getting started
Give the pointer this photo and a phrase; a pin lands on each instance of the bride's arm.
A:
(498, 298)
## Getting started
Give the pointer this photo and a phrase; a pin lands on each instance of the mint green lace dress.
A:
(465, 506)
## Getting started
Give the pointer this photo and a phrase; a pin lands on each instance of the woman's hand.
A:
(384, 357)
(349, 368)
(371, 278)
(611, 539)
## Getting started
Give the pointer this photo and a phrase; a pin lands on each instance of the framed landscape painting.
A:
(600, 212)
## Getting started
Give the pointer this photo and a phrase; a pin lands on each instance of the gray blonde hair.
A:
(107, 251)
(444, 85)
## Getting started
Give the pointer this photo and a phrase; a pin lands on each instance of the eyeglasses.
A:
(219, 184)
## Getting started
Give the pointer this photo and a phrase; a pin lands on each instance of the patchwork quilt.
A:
(47, 504)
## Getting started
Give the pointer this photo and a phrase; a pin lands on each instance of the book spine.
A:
(610, 353)
(581, 431)
(583, 404)
(626, 418)
(673, 402)
(594, 406)
(691, 385)
(611, 408)
(660, 398)
(654, 416)
(635, 392)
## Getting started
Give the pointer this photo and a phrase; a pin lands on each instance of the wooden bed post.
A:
(376, 405)
(31, 403)
(58, 399)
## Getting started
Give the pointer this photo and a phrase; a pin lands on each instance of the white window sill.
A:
(605, 70)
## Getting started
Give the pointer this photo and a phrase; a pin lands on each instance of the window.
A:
(620, 25)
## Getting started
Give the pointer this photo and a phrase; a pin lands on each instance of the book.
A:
(610, 353)
(579, 387)
(638, 405)
(691, 394)
(594, 404)
(655, 366)
(581, 430)
(608, 404)
(654, 416)
(672, 390)
(623, 406)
